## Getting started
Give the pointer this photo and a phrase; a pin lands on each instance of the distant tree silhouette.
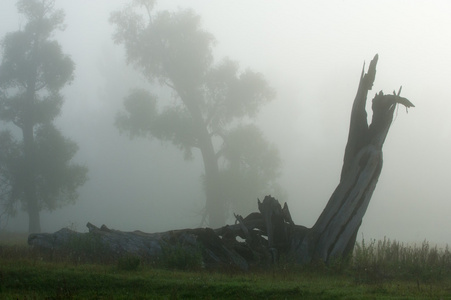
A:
(210, 109)
(33, 70)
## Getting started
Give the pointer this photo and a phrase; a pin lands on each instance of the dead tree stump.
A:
(261, 237)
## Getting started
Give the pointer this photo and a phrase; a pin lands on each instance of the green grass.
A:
(385, 260)
(378, 270)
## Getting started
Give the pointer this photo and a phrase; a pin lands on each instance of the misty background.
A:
(311, 53)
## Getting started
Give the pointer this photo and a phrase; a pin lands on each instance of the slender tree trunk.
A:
(31, 199)
(214, 203)
(34, 225)
(215, 206)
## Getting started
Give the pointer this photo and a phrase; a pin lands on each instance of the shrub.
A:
(87, 247)
(181, 257)
(128, 263)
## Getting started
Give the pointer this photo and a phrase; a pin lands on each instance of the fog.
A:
(311, 53)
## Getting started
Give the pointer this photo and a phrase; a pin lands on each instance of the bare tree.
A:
(271, 231)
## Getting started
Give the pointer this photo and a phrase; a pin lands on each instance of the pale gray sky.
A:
(312, 54)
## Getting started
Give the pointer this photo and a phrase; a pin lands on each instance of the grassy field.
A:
(378, 270)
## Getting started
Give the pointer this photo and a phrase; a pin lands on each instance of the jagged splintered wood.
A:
(267, 234)
(335, 231)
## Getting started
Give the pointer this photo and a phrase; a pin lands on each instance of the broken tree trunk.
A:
(334, 233)
(261, 237)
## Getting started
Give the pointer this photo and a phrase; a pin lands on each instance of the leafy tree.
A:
(211, 107)
(33, 70)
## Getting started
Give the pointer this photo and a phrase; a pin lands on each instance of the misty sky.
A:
(311, 53)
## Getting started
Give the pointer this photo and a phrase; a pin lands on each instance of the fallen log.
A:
(218, 248)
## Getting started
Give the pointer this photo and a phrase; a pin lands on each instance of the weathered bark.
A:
(219, 248)
(267, 234)
(335, 231)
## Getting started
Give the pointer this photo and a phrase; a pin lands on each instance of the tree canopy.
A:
(211, 107)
